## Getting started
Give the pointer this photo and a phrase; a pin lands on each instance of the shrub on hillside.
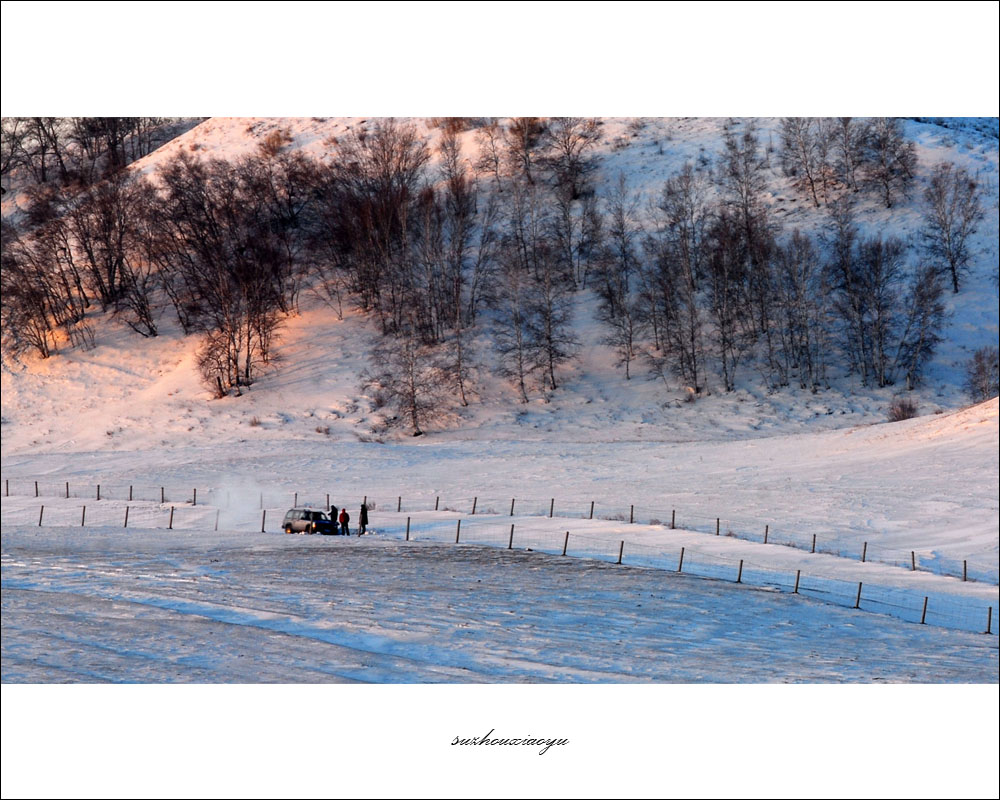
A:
(902, 408)
(982, 374)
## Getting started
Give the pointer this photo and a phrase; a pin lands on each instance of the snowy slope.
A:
(127, 388)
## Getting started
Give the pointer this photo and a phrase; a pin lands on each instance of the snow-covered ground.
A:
(149, 606)
(131, 415)
(926, 487)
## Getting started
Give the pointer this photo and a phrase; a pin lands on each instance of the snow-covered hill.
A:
(132, 393)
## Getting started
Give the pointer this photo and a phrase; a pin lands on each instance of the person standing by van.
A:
(363, 520)
(345, 518)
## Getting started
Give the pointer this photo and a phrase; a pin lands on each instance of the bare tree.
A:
(678, 262)
(489, 138)
(552, 337)
(224, 268)
(803, 300)
(727, 277)
(512, 336)
(409, 377)
(849, 148)
(952, 213)
(982, 374)
(522, 140)
(891, 159)
(377, 178)
(621, 302)
(743, 181)
(801, 153)
(921, 329)
(569, 141)
(13, 134)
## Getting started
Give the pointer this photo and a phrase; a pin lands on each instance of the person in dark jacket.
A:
(363, 520)
(333, 517)
(345, 518)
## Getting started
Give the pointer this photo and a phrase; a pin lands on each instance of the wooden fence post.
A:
(162, 497)
(552, 506)
(216, 519)
(621, 549)
(328, 501)
(591, 509)
(864, 553)
(510, 542)
(680, 564)
(263, 518)
(739, 576)
(130, 493)
(195, 501)
(67, 490)
(83, 517)
(673, 518)
(98, 491)
(965, 570)
(126, 517)
(399, 504)
(989, 620)
(295, 500)
(437, 500)
(458, 530)
(407, 529)
(766, 529)
(716, 526)
(36, 488)
(814, 544)
(631, 515)
(170, 525)
(512, 505)
(565, 542)
(923, 614)
(913, 561)
(798, 574)
(857, 603)
(40, 512)
(6, 487)
(474, 501)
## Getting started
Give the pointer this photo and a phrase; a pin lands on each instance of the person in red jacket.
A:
(345, 518)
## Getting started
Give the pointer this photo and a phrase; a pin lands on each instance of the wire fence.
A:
(744, 529)
(494, 506)
(931, 607)
(176, 494)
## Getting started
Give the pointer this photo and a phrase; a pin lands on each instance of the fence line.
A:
(481, 506)
(934, 607)
(764, 533)
(928, 607)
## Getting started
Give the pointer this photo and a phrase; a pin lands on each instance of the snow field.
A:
(154, 606)
(887, 589)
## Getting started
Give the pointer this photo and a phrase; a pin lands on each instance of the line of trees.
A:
(825, 156)
(721, 289)
(76, 150)
(701, 284)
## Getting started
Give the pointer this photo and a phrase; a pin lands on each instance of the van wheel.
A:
(288, 529)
